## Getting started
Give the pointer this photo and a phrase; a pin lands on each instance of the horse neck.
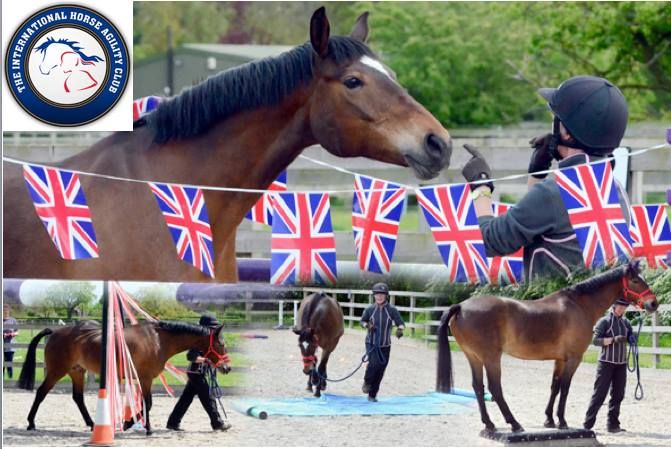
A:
(176, 342)
(596, 303)
(246, 150)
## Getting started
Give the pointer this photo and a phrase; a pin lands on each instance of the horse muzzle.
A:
(224, 368)
(434, 155)
(651, 305)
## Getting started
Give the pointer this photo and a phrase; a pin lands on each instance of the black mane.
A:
(179, 327)
(596, 282)
(265, 82)
(310, 308)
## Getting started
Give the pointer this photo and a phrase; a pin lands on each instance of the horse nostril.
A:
(436, 146)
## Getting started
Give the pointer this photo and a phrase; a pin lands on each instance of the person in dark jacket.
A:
(379, 319)
(9, 333)
(197, 386)
(590, 118)
(612, 333)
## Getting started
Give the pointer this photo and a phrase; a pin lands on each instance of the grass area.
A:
(341, 216)
(234, 378)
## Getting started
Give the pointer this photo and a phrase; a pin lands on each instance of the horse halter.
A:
(633, 296)
(221, 358)
(309, 359)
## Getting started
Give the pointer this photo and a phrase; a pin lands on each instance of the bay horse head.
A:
(358, 108)
(308, 346)
(216, 351)
(636, 290)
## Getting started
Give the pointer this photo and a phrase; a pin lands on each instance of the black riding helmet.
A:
(208, 321)
(592, 109)
(381, 287)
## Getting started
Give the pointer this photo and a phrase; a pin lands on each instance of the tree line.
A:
(469, 63)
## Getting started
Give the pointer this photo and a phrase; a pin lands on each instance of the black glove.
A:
(620, 338)
(370, 326)
(541, 158)
(399, 332)
(476, 168)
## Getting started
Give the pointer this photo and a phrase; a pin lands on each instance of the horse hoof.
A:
(487, 432)
(149, 432)
(308, 389)
(517, 429)
(549, 423)
(31, 427)
(563, 426)
(127, 425)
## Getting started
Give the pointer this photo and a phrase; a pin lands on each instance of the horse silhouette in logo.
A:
(68, 56)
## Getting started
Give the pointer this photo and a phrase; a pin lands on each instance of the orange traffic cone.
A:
(103, 431)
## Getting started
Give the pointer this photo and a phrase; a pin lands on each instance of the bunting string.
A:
(324, 164)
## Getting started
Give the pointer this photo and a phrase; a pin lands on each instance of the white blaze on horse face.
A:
(305, 345)
(377, 65)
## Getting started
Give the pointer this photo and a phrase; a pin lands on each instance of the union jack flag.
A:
(262, 212)
(508, 269)
(651, 233)
(303, 244)
(591, 199)
(186, 216)
(450, 212)
(377, 207)
(59, 201)
(144, 106)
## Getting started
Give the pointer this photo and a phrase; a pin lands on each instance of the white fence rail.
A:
(422, 321)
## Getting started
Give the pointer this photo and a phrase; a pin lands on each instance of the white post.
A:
(295, 313)
(280, 314)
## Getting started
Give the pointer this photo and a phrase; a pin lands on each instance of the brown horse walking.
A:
(74, 349)
(321, 324)
(557, 327)
(239, 129)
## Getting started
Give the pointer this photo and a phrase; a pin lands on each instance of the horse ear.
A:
(633, 267)
(360, 30)
(319, 32)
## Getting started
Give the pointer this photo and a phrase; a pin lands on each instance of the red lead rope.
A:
(221, 358)
(638, 297)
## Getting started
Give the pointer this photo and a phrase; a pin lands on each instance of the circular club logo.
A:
(67, 65)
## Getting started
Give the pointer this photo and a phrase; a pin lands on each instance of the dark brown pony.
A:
(321, 324)
(557, 327)
(239, 129)
(74, 349)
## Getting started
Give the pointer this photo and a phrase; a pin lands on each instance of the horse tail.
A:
(444, 378)
(27, 376)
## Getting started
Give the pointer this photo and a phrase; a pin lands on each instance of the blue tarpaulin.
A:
(431, 403)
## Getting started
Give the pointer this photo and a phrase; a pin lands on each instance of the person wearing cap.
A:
(379, 319)
(196, 385)
(612, 332)
(590, 118)
(9, 333)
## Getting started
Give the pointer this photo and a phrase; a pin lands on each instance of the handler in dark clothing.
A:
(612, 333)
(197, 386)
(590, 118)
(378, 319)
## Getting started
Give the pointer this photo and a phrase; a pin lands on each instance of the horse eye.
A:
(353, 82)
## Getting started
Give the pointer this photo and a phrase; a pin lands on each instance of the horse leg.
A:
(564, 385)
(146, 394)
(42, 392)
(322, 370)
(309, 387)
(77, 375)
(554, 389)
(479, 389)
(493, 369)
